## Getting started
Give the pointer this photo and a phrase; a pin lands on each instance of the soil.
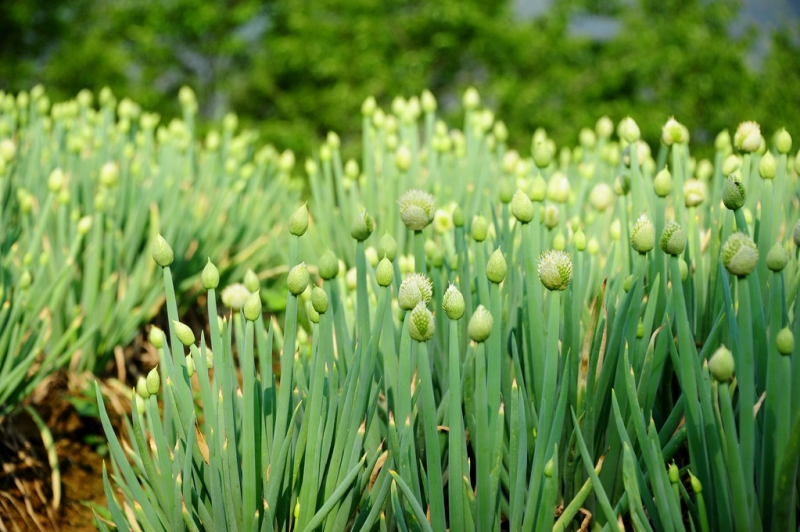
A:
(25, 482)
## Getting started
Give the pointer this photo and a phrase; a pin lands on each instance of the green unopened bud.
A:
(785, 341)
(387, 247)
(673, 239)
(210, 276)
(593, 246)
(415, 287)
(84, 225)
(109, 174)
(663, 183)
(672, 132)
(189, 365)
(721, 364)
(252, 308)
(627, 284)
(480, 325)
(500, 131)
(579, 240)
(628, 130)
(496, 268)
(733, 193)
(458, 217)
(683, 268)
(640, 329)
(371, 254)
(141, 388)
(416, 209)
(739, 254)
(319, 300)
(333, 140)
(453, 303)
(162, 253)
(747, 137)
(298, 221)
(328, 265)
(558, 188)
(542, 156)
(783, 141)
(768, 166)
(369, 106)
(402, 158)
(723, 141)
(471, 99)
(643, 234)
(56, 180)
(251, 281)
(587, 138)
(421, 326)
(601, 197)
(506, 191)
(480, 228)
(153, 381)
(298, 279)
(25, 280)
(559, 241)
(694, 192)
(156, 337)
(385, 272)
(548, 467)
(313, 315)
(428, 101)
(697, 486)
(555, 270)
(551, 216)
(184, 333)
(362, 226)
(674, 473)
(777, 258)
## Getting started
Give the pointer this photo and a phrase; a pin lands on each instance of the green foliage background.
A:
(296, 69)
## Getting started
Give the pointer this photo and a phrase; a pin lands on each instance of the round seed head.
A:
(747, 137)
(643, 234)
(579, 239)
(328, 265)
(319, 300)
(480, 325)
(251, 281)
(210, 276)
(141, 387)
(184, 333)
(162, 253)
(783, 141)
(421, 326)
(785, 341)
(601, 197)
(496, 267)
(156, 337)
(153, 381)
(721, 364)
(235, 296)
(189, 365)
(415, 287)
(298, 279)
(298, 221)
(252, 307)
(663, 183)
(777, 258)
(734, 193)
(362, 226)
(458, 217)
(385, 272)
(739, 254)
(555, 269)
(387, 247)
(768, 166)
(480, 228)
(694, 192)
(673, 239)
(416, 209)
(453, 303)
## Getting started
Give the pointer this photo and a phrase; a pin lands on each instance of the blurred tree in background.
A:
(296, 69)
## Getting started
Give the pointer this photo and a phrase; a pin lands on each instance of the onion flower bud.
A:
(643, 235)
(673, 239)
(387, 247)
(739, 254)
(579, 239)
(471, 99)
(480, 228)
(628, 130)
(362, 226)
(555, 270)
(721, 364)
(298, 279)
(453, 303)
(210, 276)
(722, 142)
(522, 207)
(601, 197)
(251, 281)
(785, 341)
(319, 300)
(328, 265)
(747, 137)
(733, 193)
(184, 333)
(542, 155)
(768, 166)
(385, 272)
(480, 325)
(604, 127)
(662, 183)
(694, 192)
(162, 253)
(415, 287)
(496, 267)
(672, 132)
(777, 258)
(551, 216)
(421, 326)
(783, 141)
(141, 388)
(153, 381)
(298, 221)
(416, 209)
(538, 189)
(252, 307)
(458, 217)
